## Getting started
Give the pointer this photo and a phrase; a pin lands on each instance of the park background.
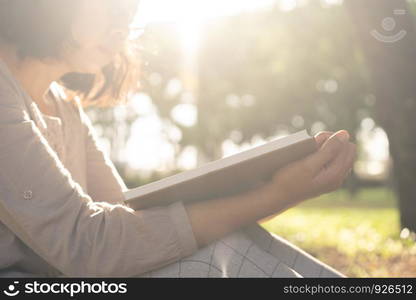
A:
(219, 77)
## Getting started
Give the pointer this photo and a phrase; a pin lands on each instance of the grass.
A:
(359, 235)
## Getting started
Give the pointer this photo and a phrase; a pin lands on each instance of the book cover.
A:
(224, 177)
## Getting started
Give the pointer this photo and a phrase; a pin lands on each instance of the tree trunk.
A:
(391, 59)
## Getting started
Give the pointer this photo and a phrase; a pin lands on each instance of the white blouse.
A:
(61, 199)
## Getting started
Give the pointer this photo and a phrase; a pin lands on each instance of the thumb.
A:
(327, 152)
(321, 137)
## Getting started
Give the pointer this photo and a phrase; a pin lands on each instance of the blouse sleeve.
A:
(103, 180)
(50, 213)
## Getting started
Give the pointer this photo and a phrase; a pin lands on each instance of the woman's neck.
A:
(34, 75)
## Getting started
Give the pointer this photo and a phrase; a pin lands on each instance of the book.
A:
(224, 177)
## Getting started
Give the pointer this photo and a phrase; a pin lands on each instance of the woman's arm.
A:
(104, 183)
(320, 172)
(213, 219)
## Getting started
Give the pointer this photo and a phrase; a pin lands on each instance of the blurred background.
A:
(219, 77)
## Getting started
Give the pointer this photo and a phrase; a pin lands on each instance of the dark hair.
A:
(40, 28)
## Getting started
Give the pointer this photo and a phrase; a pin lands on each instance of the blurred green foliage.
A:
(367, 231)
(257, 74)
(265, 73)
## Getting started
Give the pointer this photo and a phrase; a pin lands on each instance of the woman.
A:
(61, 199)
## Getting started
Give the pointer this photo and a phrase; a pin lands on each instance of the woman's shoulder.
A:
(65, 98)
(70, 103)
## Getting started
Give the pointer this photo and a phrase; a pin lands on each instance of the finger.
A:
(334, 174)
(329, 150)
(348, 155)
(322, 136)
(352, 154)
(348, 174)
(350, 160)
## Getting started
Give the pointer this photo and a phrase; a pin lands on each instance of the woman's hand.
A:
(320, 172)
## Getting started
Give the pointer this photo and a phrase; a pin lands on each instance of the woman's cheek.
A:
(90, 32)
(89, 47)
(86, 60)
(89, 37)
